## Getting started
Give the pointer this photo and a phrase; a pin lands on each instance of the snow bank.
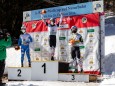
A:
(50, 83)
(108, 82)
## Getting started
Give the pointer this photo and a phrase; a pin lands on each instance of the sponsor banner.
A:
(68, 10)
(39, 26)
(35, 26)
(98, 6)
(62, 47)
(63, 53)
(26, 16)
(89, 31)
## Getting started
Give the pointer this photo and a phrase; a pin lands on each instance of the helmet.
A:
(52, 19)
(73, 29)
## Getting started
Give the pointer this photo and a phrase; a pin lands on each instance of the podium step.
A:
(19, 73)
(76, 77)
(47, 71)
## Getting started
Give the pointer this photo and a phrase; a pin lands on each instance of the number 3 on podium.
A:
(73, 77)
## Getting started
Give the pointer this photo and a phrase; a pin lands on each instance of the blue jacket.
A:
(24, 40)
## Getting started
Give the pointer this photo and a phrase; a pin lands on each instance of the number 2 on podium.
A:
(19, 72)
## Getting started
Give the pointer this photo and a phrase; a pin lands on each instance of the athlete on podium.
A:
(24, 42)
(52, 29)
(75, 42)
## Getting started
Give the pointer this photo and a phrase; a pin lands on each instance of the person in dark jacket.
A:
(5, 41)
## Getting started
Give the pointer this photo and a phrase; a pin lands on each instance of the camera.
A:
(3, 34)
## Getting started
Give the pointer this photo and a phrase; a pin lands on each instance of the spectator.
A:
(5, 41)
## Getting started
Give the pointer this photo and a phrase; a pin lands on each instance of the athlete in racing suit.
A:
(52, 29)
(24, 42)
(75, 49)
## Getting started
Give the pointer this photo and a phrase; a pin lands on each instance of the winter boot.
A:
(22, 65)
(29, 64)
(81, 71)
(52, 58)
(76, 71)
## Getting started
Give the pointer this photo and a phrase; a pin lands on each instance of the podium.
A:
(19, 73)
(74, 77)
(46, 71)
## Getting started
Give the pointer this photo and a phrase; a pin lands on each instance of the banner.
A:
(88, 29)
(68, 10)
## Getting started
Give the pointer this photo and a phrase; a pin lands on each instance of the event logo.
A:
(91, 35)
(27, 15)
(37, 40)
(34, 25)
(62, 47)
(91, 61)
(98, 7)
(84, 20)
(81, 31)
(91, 41)
(37, 58)
(37, 35)
(63, 53)
(45, 41)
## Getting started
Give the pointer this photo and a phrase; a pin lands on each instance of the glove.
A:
(72, 41)
(17, 47)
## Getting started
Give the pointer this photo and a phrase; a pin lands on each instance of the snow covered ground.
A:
(108, 82)
(50, 83)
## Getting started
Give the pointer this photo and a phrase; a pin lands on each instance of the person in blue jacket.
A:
(24, 42)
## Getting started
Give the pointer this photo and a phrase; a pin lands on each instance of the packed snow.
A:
(50, 83)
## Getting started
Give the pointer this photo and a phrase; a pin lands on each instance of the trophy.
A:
(43, 11)
(71, 41)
